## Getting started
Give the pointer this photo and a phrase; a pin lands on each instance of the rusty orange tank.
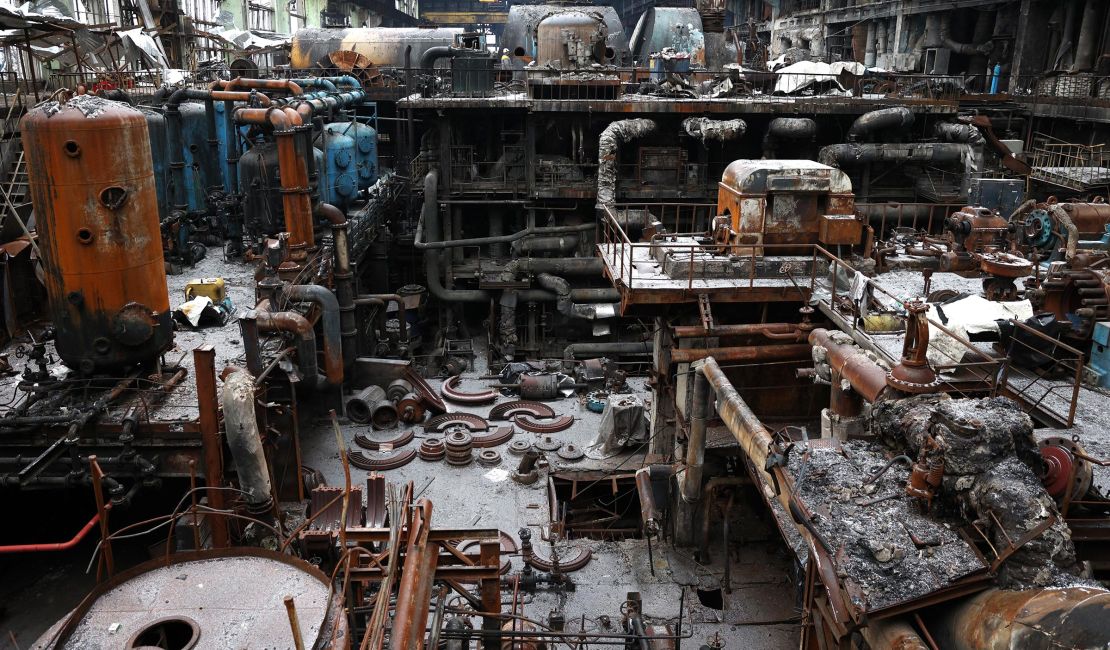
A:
(92, 186)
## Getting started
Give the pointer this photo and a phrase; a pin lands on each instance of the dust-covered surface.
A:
(885, 552)
(237, 602)
(991, 477)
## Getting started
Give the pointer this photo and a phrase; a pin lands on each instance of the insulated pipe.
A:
(429, 219)
(787, 128)
(897, 117)
(608, 144)
(421, 228)
(1088, 37)
(432, 54)
(707, 130)
(259, 84)
(866, 377)
(695, 444)
(245, 441)
(564, 297)
(576, 350)
(531, 245)
(953, 132)
(851, 153)
(329, 308)
(298, 325)
(789, 352)
(557, 265)
(1064, 218)
(296, 201)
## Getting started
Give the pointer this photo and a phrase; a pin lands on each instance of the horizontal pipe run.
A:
(866, 377)
(56, 546)
(769, 330)
(790, 352)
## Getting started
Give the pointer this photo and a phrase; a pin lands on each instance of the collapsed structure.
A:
(605, 337)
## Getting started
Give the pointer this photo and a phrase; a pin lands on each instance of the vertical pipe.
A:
(231, 136)
(1088, 37)
(294, 623)
(204, 363)
(695, 445)
(102, 515)
(248, 326)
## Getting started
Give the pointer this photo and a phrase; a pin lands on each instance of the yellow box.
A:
(211, 288)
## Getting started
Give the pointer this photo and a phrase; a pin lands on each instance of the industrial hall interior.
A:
(555, 324)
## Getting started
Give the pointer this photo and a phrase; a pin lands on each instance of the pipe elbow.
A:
(333, 215)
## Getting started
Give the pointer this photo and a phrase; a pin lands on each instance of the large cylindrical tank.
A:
(156, 130)
(260, 182)
(92, 186)
(366, 151)
(521, 27)
(571, 39)
(201, 171)
(384, 46)
(339, 181)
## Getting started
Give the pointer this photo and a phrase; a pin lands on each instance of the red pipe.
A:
(56, 546)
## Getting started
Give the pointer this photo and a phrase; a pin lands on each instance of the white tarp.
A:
(970, 315)
(798, 76)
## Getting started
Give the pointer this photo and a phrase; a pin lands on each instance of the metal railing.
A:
(137, 83)
(1052, 388)
(1075, 166)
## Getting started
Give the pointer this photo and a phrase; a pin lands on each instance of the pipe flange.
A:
(571, 453)
(459, 459)
(489, 457)
(384, 445)
(498, 436)
(1061, 465)
(439, 423)
(458, 440)
(547, 443)
(508, 410)
(450, 391)
(410, 408)
(561, 423)
(432, 449)
(519, 447)
(528, 478)
(381, 462)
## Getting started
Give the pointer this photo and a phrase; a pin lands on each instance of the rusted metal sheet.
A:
(92, 185)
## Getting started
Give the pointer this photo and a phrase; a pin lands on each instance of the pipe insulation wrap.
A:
(898, 117)
(707, 130)
(608, 143)
(244, 439)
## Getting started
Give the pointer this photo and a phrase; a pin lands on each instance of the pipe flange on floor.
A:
(571, 453)
(432, 449)
(509, 410)
(439, 423)
(556, 425)
(458, 440)
(519, 447)
(450, 392)
(381, 463)
(386, 445)
(489, 457)
(527, 478)
(459, 459)
(547, 443)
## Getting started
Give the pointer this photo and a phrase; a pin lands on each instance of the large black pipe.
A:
(853, 153)
(577, 350)
(787, 128)
(897, 117)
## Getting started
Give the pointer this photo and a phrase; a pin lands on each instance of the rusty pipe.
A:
(245, 441)
(865, 376)
(56, 546)
(344, 280)
(754, 353)
(892, 634)
(395, 299)
(259, 84)
(293, 323)
(1072, 617)
(769, 330)
(695, 443)
(329, 318)
(650, 514)
(411, 615)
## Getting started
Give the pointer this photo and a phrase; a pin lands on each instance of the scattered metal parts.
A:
(399, 458)
(508, 547)
(526, 472)
(384, 445)
(489, 457)
(547, 443)
(596, 401)
(571, 452)
(459, 445)
(410, 408)
(560, 423)
(535, 386)
(566, 565)
(508, 410)
(440, 423)
(397, 390)
(1064, 462)
(421, 388)
(376, 508)
(526, 478)
(432, 449)
(498, 436)
(450, 391)
(519, 446)
(370, 406)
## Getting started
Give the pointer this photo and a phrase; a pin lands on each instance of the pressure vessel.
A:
(92, 185)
